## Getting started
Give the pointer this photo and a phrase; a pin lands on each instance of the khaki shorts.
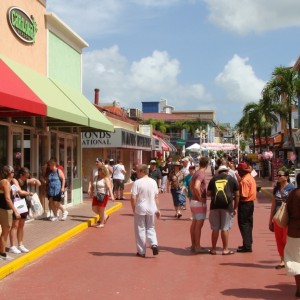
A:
(6, 217)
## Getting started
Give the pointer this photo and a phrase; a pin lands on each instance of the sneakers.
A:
(6, 257)
(154, 249)
(53, 219)
(14, 250)
(23, 249)
(64, 215)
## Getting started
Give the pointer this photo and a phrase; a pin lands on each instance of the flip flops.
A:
(228, 253)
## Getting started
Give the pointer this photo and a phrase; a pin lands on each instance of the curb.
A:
(52, 244)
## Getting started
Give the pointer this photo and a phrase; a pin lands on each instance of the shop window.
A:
(3, 144)
(75, 157)
(53, 152)
(17, 151)
(27, 146)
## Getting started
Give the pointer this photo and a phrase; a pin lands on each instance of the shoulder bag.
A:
(281, 217)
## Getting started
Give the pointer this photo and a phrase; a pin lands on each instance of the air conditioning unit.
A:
(135, 113)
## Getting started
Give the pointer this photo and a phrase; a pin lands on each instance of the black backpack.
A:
(223, 196)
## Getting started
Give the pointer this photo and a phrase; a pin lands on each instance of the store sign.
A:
(156, 144)
(23, 25)
(121, 138)
(296, 137)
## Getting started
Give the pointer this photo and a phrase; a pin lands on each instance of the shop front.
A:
(42, 115)
(130, 147)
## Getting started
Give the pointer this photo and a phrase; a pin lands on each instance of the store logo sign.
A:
(23, 25)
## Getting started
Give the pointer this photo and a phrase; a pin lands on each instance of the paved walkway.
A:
(101, 263)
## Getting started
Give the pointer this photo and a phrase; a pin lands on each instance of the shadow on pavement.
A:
(278, 291)
(117, 254)
(245, 265)
(176, 251)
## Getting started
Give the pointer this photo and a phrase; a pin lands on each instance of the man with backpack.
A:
(224, 192)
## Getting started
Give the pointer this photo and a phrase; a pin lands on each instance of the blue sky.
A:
(198, 54)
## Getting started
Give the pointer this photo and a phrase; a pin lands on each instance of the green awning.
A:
(62, 103)
(96, 118)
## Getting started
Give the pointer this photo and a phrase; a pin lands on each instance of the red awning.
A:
(165, 146)
(16, 98)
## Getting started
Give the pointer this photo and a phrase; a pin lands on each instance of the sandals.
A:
(106, 219)
(228, 253)
(279, 267)
(213, 252)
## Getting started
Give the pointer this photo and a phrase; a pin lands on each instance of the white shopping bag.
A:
(20, 205)
(36, 207)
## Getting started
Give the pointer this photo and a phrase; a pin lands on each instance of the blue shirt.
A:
(186, 182)
(282, 194)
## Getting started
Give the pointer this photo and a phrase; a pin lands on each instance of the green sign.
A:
(180, 142)
(23, 25)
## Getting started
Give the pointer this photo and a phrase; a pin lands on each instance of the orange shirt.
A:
(248, 188)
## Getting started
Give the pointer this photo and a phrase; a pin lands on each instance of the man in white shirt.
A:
(144, 202)
(185, 166)
(118, 180)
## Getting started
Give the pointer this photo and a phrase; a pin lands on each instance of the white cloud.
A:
(156, 3)
(149, 78)
(246, 16)
(89, 18)
(239, 81)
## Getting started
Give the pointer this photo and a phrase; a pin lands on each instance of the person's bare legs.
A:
(13, 232)
(3, 239)
(225, 236)
(214, 240)
(20, 232)
(192, 232)
(198, 228)
(121, 193)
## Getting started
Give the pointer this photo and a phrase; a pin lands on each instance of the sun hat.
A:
(243, 167)
(185, 159)
(223, 169)
(178, 164)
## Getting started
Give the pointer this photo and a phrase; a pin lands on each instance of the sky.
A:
(197, 54)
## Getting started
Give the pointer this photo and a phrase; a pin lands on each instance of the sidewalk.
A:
(42, 235)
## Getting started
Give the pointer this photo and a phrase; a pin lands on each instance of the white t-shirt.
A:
(185, 170)
(117, 172)
(145, 189)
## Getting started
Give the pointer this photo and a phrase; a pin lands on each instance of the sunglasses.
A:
(280, 175)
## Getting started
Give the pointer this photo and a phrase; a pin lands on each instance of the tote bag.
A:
(36, 207)
(20, 205)
(281, 217)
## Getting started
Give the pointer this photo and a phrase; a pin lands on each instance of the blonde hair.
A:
(103, 170)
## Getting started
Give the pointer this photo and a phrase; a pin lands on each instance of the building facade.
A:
(42, 108)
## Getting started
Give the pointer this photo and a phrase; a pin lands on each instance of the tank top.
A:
(23, 187)
(3, 203)
(54, 184)
(99, 186)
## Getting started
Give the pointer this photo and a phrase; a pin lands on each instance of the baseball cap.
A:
(99, 159)
(185, 159)
(152, 161)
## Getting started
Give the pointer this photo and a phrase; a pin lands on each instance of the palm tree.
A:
(285, 88)
(254, 115)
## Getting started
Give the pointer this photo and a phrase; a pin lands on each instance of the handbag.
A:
(281, 217)
(20, 204)
(36, 207)
(100, 197)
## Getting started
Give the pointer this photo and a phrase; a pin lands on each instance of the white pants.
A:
(164, 183)
(144, 230)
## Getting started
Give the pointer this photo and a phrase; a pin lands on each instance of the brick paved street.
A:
(101, 263)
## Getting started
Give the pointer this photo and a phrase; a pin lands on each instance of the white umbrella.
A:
(195, 147)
